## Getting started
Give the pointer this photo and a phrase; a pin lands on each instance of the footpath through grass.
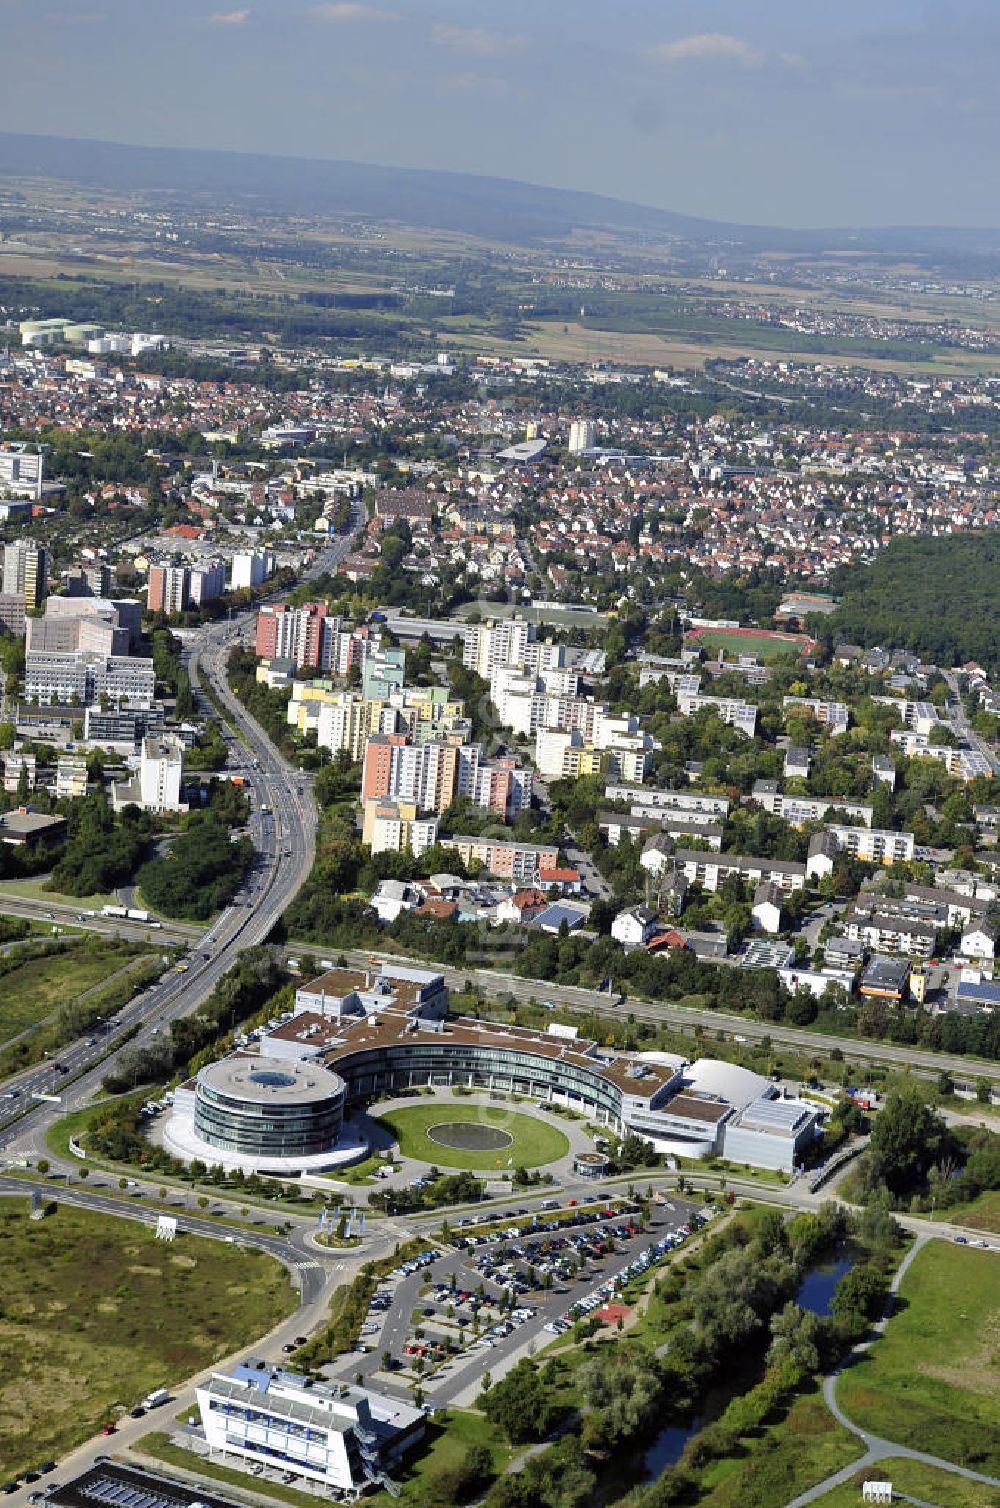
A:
(95, 1313)
(932, 1382)
(778, 1462)
(532, 1142)
(928, 1483)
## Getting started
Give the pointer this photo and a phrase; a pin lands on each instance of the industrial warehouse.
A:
(353, 1039)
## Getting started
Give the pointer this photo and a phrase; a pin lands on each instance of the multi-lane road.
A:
(285, 838)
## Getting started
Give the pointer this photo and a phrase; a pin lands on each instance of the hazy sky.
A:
(794, 112)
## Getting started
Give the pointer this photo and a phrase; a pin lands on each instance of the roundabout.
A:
(476, 1136)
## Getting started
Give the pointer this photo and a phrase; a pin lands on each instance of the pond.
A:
(668, 1447)
(819, 1284)
(815, 1294)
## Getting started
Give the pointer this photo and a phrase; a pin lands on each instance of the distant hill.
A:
(498, 209)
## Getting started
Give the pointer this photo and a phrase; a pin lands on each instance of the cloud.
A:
(229, 18)
(482, 85)
(474, 40)
(346, 12)
(708, 46)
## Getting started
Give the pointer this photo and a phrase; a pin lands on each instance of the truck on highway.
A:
(134, 914)
(114, 911)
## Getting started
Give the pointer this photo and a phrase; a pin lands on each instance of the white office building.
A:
(160, 764)
(21, 470)
(83, 677)
(342, 1438)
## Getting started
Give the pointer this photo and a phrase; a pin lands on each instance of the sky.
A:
(780, 112)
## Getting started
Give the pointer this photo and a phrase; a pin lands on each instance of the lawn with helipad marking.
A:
(532, 1143)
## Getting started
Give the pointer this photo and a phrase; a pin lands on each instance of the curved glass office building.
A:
(479, 1062)
(266, 1108)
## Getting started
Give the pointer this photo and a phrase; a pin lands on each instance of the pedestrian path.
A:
(877, 1448)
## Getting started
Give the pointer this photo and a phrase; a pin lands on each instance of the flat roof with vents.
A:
(778, 1117)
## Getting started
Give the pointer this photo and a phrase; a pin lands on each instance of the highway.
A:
(285, 839)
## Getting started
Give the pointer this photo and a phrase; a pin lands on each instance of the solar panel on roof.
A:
(983, 993)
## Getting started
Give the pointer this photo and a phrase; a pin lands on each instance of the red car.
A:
(109, 1429)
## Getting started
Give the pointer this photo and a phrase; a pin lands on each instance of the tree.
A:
(625, 1395)
(736, 1294)
(859, 1298)
(907, 1137)
(462, 1480)
(877, 1228)
(519, 1404)
(796, 1335)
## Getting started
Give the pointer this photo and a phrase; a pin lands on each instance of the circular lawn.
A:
(481, 1137)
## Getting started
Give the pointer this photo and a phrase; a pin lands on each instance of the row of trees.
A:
(192, 1040)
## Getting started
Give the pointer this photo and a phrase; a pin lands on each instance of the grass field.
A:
(95, 1312)
(34, 890)
(979, 1214)
(735, 642)
(38, 986)
(533, 1144)
(560, 341)
(943, 1488)
(933, 1380)
(782, 1460)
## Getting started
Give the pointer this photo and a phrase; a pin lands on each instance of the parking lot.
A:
(448, 1316)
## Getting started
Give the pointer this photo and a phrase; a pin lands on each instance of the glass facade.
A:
(268, 1128)
(373, 1073)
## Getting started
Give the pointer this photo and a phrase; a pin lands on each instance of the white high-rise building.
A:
(160, 774)
(249, 570)
(490, 645)
(582, 436)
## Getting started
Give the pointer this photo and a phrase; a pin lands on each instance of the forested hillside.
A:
(938, 597)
